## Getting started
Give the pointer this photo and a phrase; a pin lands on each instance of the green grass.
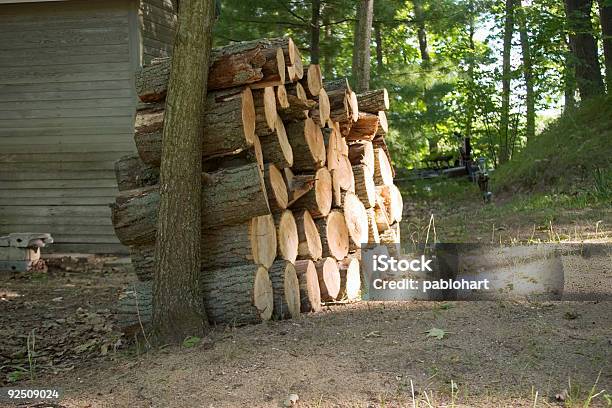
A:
(572, 154)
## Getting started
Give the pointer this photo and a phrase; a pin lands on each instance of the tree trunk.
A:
(605, 16)
(285, 289)
(178, 309)
(471, 80)
(361, 52)
(584, 46)
(334, 235)
(504, 154)
(379, 49)
(315, 32)
(310, 293)
(569, 78)
(527, 73)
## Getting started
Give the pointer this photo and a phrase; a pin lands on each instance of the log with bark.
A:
(383, 174)
(350, 279)
(276, 148)
(329, 278)
(334, 235)
(362, 152)
(308, 145)
(310, 246)
(373, 235)
(263, 61)
(229, 196)
(287, 235)
(373, 101)
(364, 128)
(229, 126)
(276, 188)
(393, 201)
(312, 81)
(310, 293)
(318, 200)
(381, 214)
(237, 295)
(297, 110)
(364, 185)
(285, 289)
(391, 235)
(134, 310)
(131, 172)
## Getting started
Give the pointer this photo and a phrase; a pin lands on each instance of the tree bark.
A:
(307, 143)
(237, 295)
(504, 154)
(361, 52)
(365, 128)
(373, 101)
(379, 49)
(605, 16)
(584, 46)
(362, 153)
(131, 172)
(228, 123)
(527, 73)
(315, 32)
(569, 78)
(178, 309)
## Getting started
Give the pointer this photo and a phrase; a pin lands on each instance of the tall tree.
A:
(527, 71)
(379, 48)
(315, 32)
(584, 47)
(569, 78)
(177, 303)
(471, 62)
(605, 16)
(504, 153)
(361, 50)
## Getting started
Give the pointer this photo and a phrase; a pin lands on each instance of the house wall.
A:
(157, 22)
(67, 104)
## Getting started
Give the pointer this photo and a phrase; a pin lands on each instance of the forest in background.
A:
(496, 71)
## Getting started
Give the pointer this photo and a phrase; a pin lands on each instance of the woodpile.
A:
(297, 178)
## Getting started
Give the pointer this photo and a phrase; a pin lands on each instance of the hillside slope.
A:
(573, 153)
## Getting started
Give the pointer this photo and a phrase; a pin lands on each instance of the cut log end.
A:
(276, 188)
(287, 236)
(263, 298)
(310, 293)
(310, 246)
(263, 240)
(329, 279)
(334, 235)
(248, 115)
(356, 218)
(286, 290)
(350, 279)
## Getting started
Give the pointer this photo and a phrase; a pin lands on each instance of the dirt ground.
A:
(355, 355)
(57, 329)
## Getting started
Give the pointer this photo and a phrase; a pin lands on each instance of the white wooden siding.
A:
(158, 22)
(67, 106)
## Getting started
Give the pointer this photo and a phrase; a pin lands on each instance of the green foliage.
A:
(456, 92)
(572, 153)
(191, 341)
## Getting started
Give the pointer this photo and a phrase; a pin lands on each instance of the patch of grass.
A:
(572, 153)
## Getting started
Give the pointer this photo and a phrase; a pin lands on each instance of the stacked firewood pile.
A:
(297, 177)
